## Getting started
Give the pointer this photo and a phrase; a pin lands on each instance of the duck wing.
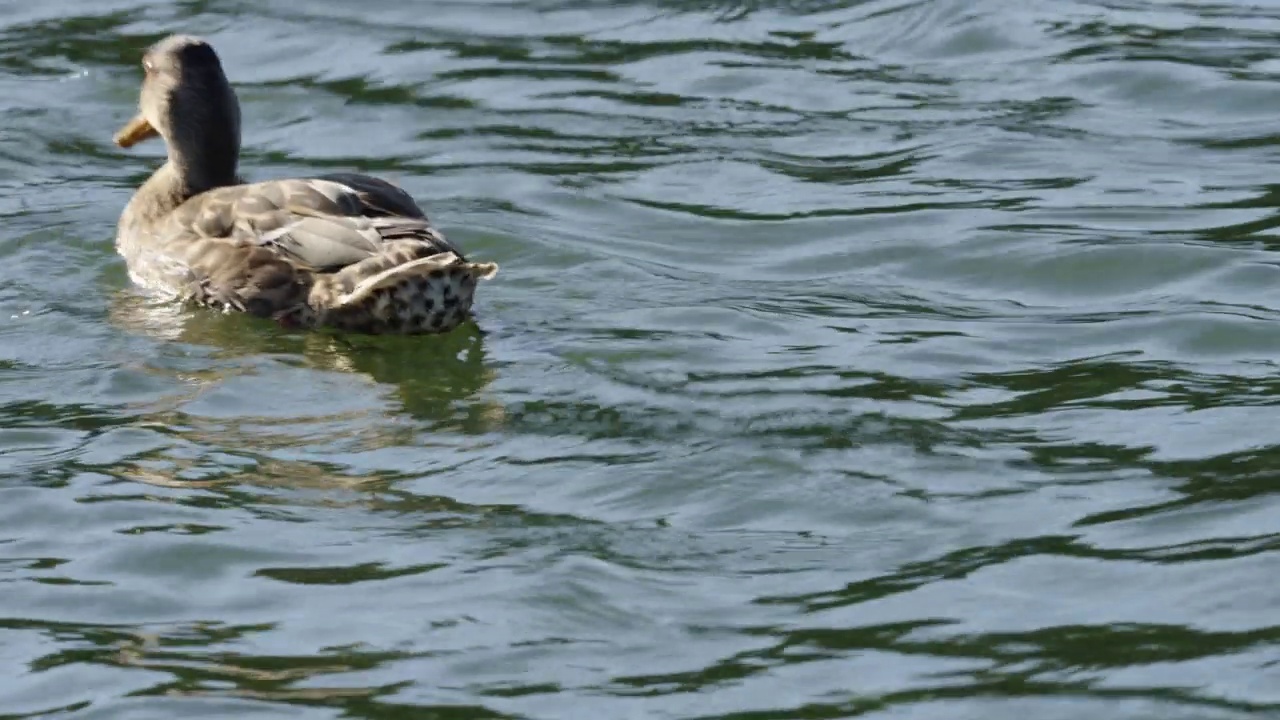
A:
(245, 246)
(323, 223)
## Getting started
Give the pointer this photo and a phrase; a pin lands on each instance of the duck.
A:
(346, 251)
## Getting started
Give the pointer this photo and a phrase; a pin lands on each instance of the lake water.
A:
(906, 360)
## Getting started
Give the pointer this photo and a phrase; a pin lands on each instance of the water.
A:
(901, 360)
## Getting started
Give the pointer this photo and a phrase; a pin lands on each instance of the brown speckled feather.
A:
(345, 250)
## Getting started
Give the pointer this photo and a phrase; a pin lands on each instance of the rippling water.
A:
(849, 358)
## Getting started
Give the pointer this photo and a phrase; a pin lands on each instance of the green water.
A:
(895, 360)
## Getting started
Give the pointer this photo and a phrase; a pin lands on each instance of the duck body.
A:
(347, 251)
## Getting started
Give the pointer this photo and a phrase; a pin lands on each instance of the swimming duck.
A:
(347, 250)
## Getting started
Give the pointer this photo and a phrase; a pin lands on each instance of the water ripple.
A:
(850, 358)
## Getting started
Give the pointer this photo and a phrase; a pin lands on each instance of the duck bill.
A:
(134, 132)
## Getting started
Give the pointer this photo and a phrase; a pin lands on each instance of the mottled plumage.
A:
(345, 250)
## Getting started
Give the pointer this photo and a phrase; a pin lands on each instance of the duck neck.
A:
(199, 164)
(160, 195)
(172, 184)
(184, 176)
